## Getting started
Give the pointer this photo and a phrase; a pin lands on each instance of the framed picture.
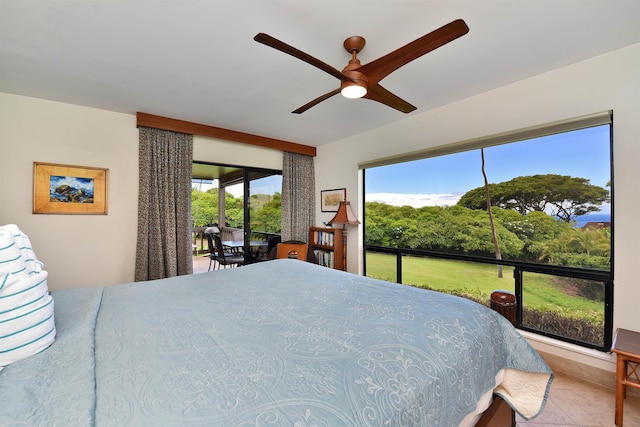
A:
(330, 199)
(65, 189)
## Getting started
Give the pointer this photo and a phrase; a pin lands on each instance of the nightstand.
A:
(626, 346)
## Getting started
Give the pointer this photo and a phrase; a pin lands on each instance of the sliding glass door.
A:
(247, 203)
(262, 209)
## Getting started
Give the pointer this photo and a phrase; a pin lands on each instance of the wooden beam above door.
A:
(175, 125)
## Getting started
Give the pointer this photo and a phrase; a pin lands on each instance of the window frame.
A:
(607, 277)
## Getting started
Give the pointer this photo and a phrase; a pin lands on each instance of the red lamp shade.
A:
(344, 215)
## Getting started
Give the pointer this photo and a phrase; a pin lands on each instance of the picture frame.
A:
(330, 199)
(67, 189)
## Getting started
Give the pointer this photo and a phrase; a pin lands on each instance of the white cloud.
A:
(414, 200)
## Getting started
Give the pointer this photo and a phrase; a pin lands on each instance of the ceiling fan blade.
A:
(380, 68)
(316, 101)
(382, 95)
(296, 53)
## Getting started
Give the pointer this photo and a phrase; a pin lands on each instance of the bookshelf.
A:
(329, 246)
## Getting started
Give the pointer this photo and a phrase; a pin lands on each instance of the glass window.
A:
(241, 201)
(427, 224)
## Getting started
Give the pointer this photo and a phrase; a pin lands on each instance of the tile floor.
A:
(571, 402)
(578, 403)
(201, 264)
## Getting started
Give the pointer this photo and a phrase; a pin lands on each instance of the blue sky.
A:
(268, 185)
(442, 180)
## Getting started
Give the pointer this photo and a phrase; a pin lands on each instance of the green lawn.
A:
(541, 292)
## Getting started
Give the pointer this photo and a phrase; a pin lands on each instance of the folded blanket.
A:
(26, 308)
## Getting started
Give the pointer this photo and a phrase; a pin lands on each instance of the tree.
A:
(266, 212)
(586, 248)
(575, 196)
(559, 195)
(534, 230)
(204, 207)
(494, 234)
(452, 229)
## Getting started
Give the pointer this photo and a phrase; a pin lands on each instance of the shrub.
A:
(559, 324)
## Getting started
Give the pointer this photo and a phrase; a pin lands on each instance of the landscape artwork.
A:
(330, 199)
(66, 189)
(71, 189)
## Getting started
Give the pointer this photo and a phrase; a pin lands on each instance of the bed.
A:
(277, 343)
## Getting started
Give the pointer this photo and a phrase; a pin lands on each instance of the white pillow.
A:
(23, 245)
(26, 308)
(11, 260)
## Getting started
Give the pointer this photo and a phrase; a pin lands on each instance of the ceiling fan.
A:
(362, 81)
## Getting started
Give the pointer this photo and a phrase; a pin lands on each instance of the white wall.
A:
(611, 81)
(77, 250)
(86, 250)
(218, 151)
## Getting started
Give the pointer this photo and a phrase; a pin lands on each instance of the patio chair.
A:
(223, 258)
(208, 232)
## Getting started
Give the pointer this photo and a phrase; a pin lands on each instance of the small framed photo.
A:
(330, 199)
(65, 189)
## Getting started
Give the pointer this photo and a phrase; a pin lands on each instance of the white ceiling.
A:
(196, 60)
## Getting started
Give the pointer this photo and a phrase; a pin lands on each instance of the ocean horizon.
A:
(596, 217)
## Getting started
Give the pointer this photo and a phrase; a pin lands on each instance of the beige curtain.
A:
(298, 196)
(164, 205)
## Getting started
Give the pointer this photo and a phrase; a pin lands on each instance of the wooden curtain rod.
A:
(175, 125)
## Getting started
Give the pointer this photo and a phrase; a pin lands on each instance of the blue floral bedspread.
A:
(279, 343)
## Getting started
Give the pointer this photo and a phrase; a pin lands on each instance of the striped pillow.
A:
(22, 244)
(26, 308)
(11, 260)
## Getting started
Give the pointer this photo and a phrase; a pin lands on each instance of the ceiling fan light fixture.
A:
(352, 91)
(356, 79)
